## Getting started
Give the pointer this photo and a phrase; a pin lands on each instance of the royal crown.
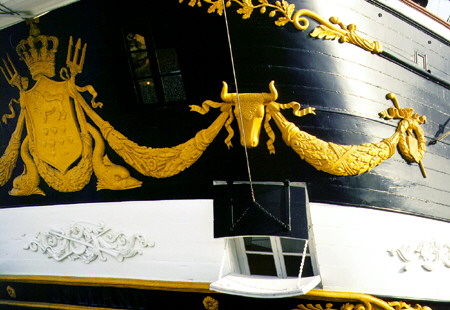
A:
(38, 52)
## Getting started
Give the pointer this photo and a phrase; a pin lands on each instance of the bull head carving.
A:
(249, 110)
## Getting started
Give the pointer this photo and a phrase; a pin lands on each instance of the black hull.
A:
(346, 84)
(143, 295)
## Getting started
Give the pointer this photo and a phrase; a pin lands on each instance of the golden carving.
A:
(157, 162)
(9, 158)
(210, 303)
(327, 30)
(393, 305)
(249, 110)
(61, 146)
(412, 144)
(400, 305)
(11, 291)
(315, 307)
(354, 301)
(356, 159)
(333, 158)
(336, 159)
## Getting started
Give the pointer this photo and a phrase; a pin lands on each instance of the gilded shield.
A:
(52, 123)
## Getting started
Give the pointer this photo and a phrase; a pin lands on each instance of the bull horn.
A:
(273, 91)
(224, 94)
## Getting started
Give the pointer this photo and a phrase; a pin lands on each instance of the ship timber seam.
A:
(418, 71)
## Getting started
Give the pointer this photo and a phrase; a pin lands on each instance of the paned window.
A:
(156, 71)
(273, 256)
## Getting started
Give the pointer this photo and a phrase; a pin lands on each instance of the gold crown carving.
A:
(38, 52)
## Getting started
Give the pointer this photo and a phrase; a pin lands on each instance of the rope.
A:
(222, 264)
(441, 137)
(303, 262)
(238, 100)
(267, 213)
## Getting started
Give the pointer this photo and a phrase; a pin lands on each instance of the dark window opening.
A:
(155, 69)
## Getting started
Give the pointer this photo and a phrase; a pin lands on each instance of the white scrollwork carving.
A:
(87, 242)
(427, 254)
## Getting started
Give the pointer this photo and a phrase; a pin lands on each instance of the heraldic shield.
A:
(52, 123)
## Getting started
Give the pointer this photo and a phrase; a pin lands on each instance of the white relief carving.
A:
(87, 242)
(427, 254)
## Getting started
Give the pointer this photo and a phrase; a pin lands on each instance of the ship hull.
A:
(376, 236)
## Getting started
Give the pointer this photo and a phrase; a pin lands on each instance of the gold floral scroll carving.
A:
(210, 303)
(367, 306)
(352, 301)
(287, 13)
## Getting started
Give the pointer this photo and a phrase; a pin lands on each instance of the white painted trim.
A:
(353, 252)
(418, 17)
(264, 287)
(181, 230)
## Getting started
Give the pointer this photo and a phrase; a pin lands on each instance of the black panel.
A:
(56, 296)
(270, 209)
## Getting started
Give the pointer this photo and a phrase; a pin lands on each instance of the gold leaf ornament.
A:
(411, 137)
(210, 303)
(328, 306)
(400, 305)
(326, 30)
(323, 32)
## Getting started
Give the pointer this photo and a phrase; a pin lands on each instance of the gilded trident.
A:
(14, 79)
(75, 62)
(12, 76)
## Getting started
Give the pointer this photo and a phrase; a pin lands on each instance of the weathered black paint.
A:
(345, 84)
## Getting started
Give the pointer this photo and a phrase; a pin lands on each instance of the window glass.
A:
(140, 64)
(259, 244)
(261, 265)
(173, 87)
(138, 54)
(292, 245)
(292, 264)
(148, 92)
(275, 256)
(156, 71)
(167, 60)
